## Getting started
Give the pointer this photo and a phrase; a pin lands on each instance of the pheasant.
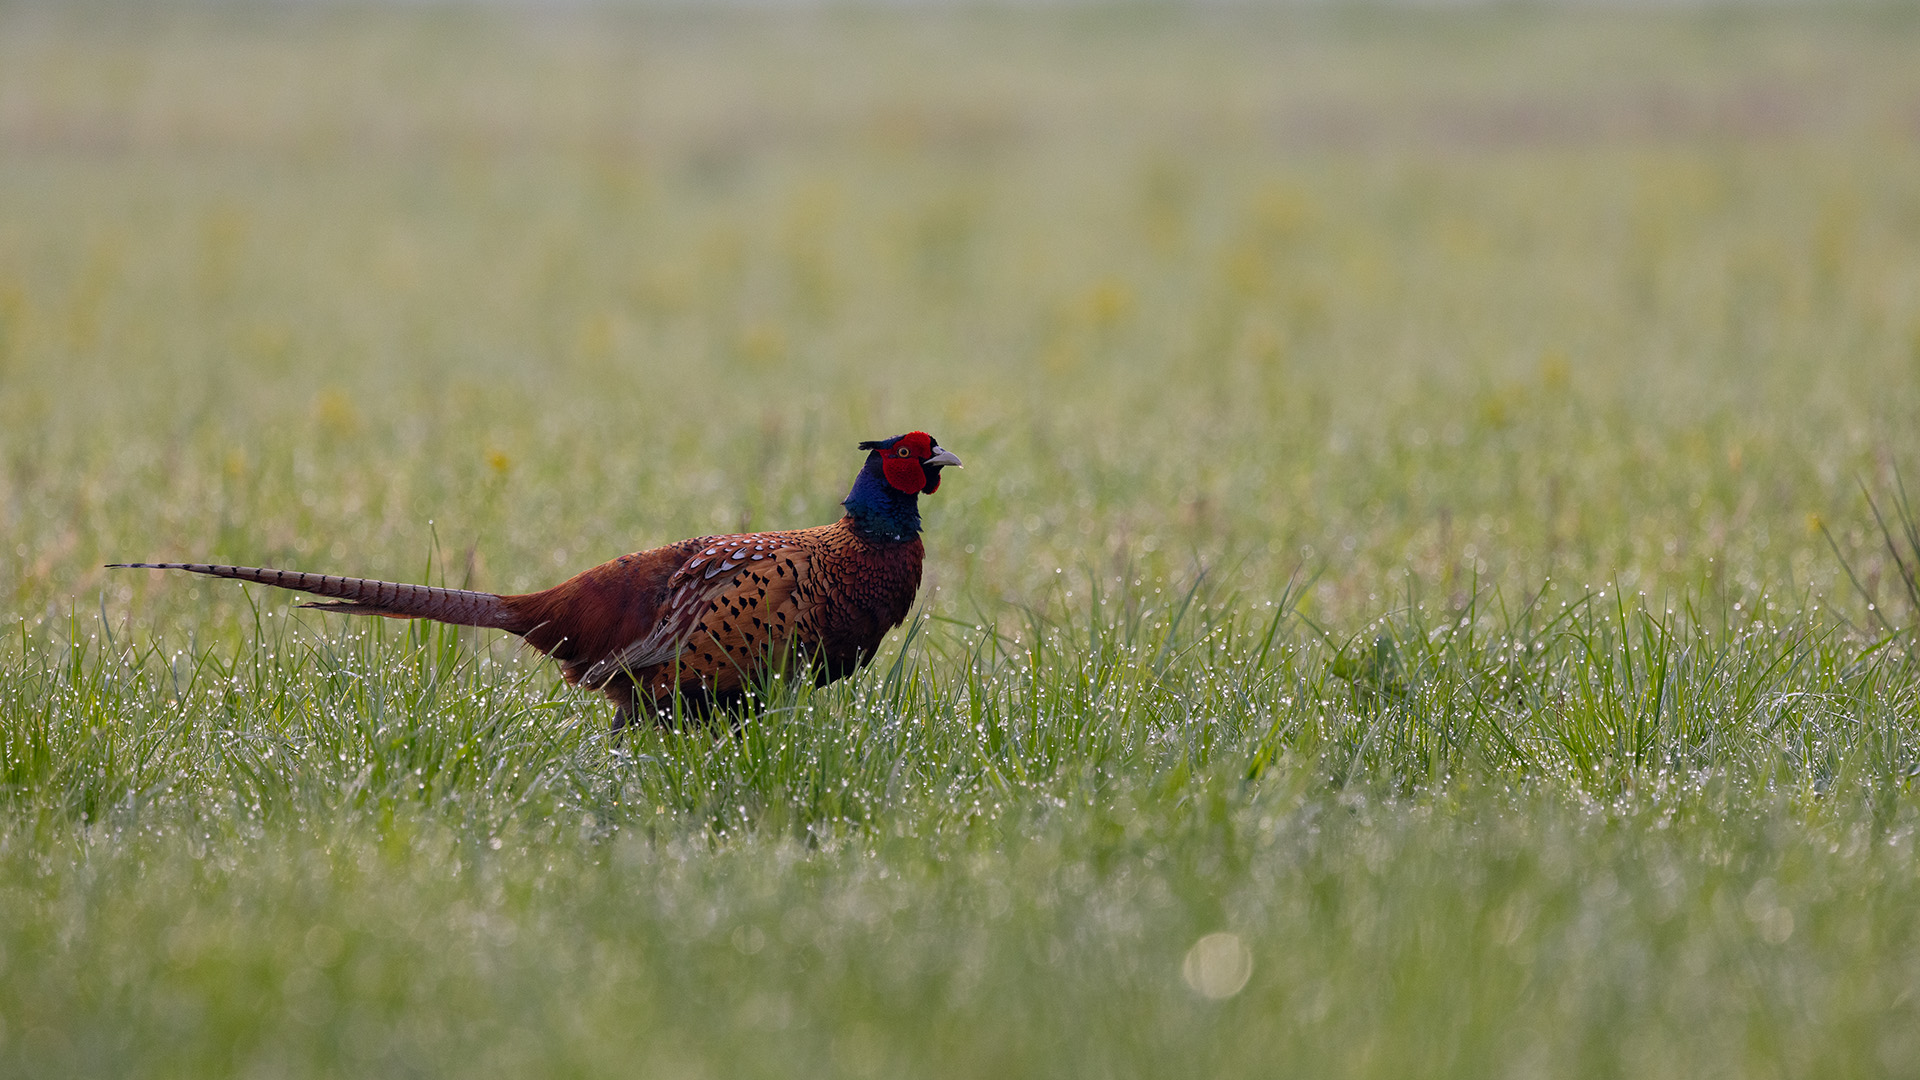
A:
(705, 618)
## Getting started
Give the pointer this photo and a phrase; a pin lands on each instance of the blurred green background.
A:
(1594, 293)
(1522, 358)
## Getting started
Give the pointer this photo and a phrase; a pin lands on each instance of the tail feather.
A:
(365, 596)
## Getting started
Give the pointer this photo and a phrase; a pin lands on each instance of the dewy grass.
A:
(1410, 608)
(1592, 696)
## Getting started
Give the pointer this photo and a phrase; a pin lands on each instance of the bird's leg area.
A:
(620, 690)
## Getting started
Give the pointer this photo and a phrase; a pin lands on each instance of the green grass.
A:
(1413, 526)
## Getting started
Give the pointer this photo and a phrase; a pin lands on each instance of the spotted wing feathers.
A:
(725, 610)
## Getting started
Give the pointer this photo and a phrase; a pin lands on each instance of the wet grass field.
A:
(1405, 612)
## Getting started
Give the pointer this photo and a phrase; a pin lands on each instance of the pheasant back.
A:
(728, 609)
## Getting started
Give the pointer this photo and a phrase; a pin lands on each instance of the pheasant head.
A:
(884, 502)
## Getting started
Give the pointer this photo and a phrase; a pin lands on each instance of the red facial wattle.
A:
(902, 462)
(905, 473)
(912, 462)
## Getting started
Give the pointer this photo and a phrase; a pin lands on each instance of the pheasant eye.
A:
(904, 451)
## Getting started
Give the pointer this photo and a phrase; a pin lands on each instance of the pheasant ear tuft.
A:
(875, 444)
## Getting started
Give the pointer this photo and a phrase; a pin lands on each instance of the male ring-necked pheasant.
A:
(703, 616)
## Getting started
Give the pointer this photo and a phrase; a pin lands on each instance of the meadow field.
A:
(1412, 606)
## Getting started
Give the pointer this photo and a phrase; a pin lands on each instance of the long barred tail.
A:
(364, 596)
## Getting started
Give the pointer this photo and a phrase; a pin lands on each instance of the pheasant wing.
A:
(737, 601)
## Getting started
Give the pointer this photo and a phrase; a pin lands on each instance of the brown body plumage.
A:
(704, 617)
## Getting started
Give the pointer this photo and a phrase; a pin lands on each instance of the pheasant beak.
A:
(942, 457)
